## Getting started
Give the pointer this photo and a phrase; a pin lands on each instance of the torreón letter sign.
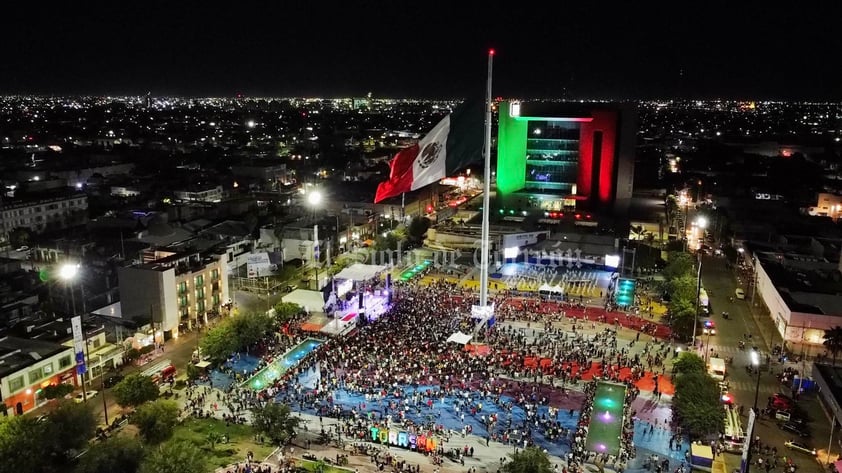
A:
(422, 443)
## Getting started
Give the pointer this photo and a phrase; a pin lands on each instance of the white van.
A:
(716, 369)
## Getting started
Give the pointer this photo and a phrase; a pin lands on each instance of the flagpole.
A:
(486, 191)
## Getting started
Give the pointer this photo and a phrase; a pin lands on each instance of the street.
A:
(720, 284)
(179, 351)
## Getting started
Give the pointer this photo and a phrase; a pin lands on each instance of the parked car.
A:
(800, 447)
(795, 428)
(81, 397)
(112, 380)
(740, 294)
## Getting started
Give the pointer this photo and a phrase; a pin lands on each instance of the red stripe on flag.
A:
(400, 174)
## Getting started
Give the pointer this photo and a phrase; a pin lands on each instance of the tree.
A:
(131, 355)
(175, 457)
(418, 226)
(155, 421)
(21, 438)
(528, 460)
(121, 454)
(57, 391)
(671, 209)
(70, 426)
(696, 405)
(250, 328)
(389, 242)
(275, 421)
(833, 341)
(680, 264)
(286, 310)
(213, 438)
(683, 287)
(687, 363)
(219, 342)
(135, 389)
(192, 371)
(682, 316)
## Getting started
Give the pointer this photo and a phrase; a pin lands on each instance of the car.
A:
(739, 293)
(708, 327)
(800, 447)
(112, 380)
(81, 397)
(781, 402)
(795, 428)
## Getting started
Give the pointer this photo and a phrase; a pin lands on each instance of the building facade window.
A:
(200, 281)
(48, 369)
(35, 376)
(65, 361)
(16, 384)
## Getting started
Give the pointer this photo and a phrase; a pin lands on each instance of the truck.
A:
(716, 369)
(701, 457)
(161, 371)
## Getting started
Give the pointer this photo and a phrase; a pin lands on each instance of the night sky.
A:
(741, 50)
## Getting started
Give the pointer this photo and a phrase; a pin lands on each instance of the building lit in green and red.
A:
(565, 157)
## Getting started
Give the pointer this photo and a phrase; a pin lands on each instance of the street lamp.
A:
(755, 361)
(102, 389)
(698, 296)
(68, 273)
(314, 198)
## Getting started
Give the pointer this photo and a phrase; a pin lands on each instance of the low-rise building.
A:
(29, 366)
(172, 289)
(50, 212)
(199, 194)
(801, 291)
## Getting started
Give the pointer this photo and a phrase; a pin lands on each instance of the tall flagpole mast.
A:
(486, 191)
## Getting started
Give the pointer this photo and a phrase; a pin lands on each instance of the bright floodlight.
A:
(702, 222)
(314, 198)
(755, 358)
(68, 271)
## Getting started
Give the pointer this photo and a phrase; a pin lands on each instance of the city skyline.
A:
(423, 51)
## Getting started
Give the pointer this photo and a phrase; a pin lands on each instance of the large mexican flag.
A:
(452, 144)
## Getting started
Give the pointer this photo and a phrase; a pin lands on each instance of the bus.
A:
(735, 437)
(161, 371)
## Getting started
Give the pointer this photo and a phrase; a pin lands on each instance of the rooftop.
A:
(17, 353)
(807, 284)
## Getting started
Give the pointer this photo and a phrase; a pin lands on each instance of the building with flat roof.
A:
(27, 367)
(798, 286)
(566, 156)
(174, 288)
(48, 212)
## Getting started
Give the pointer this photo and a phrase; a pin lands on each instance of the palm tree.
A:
(833, 341)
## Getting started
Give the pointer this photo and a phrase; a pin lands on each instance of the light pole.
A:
(698, 296)
(68, 273)
(700, 222)
(707, 332)
(314, 198)
(102, 389)
(755, 361)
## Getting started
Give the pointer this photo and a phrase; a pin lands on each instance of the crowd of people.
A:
(401, 372)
